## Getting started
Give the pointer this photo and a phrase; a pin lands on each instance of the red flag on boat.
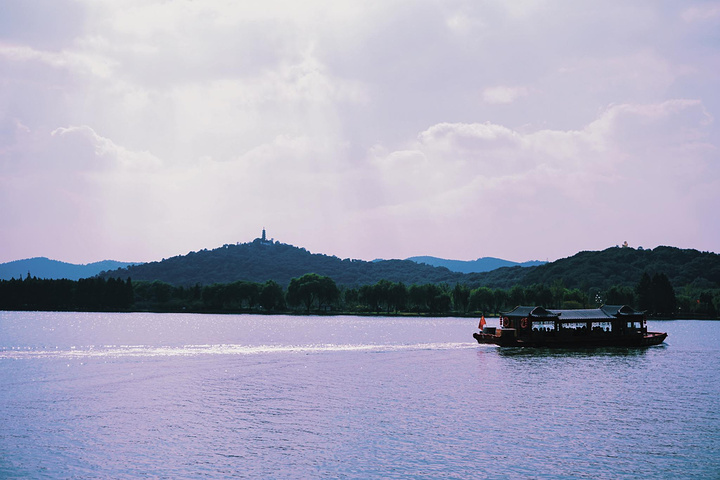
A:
(482, 322)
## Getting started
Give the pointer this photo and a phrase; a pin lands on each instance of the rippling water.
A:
(179, 396)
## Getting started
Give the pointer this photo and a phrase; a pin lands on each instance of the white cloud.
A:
(503, 94)
(455, 166)
(83, 63)
(106, 151)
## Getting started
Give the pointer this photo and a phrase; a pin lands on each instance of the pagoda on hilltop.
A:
(264, 240)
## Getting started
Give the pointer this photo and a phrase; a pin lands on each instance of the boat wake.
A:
(120, 351)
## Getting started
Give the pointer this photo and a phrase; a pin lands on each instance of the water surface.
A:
(88, 395)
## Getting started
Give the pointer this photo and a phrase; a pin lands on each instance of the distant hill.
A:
(260, 261)
(42, 267)
(483, 264)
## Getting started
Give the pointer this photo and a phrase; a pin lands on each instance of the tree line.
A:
(87, 294)
(313, 293)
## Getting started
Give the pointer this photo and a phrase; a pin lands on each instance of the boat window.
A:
(543, 326)
(599, 327)
(574, 325)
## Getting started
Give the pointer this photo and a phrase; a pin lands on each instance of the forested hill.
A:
(616, 266)
(259, 262)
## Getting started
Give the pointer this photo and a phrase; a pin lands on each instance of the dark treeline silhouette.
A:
(87, 294)
(313, 293)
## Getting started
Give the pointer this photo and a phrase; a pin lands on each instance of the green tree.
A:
(429, 298)
(213, 296)
(397, 296)
(417, 297)
(500, 297)
(539, 294)
(575, 297)
(558, 292)
(481, 299)
(644, 290)
(383, 290)
(706, 305)
(351, 298)
(312, 288)
(271, 296)
(663, 295)
(516, 296)
(461, 297)
(619, 295)
(369, 296)
(438, 299)
(249, 293)
(328, 292)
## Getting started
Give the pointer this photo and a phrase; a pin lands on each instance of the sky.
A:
(137, 130)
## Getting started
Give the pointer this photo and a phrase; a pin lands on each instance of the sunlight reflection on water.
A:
(194, 350)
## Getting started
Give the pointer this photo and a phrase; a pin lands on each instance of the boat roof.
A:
(617, 310)
(584, 314)
(535, 312)
(604, 313)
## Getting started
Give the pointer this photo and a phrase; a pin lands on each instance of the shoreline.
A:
(329, 314)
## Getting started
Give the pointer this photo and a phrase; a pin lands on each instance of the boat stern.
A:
(497, 336)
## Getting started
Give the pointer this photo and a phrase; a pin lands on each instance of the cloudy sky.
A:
(140, 129)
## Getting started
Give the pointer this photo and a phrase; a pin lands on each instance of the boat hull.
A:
(644, 340)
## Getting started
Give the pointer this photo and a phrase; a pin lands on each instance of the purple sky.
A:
(141, 129)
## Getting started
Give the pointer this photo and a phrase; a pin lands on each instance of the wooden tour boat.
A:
(607, 326)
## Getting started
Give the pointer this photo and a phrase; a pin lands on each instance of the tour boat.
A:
(607, 326)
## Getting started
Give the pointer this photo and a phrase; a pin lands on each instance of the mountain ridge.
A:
(43, 267)
(482, 264)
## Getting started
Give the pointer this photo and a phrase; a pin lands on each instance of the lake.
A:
(107, 395)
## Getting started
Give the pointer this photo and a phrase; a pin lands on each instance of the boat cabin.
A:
(607, 320)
